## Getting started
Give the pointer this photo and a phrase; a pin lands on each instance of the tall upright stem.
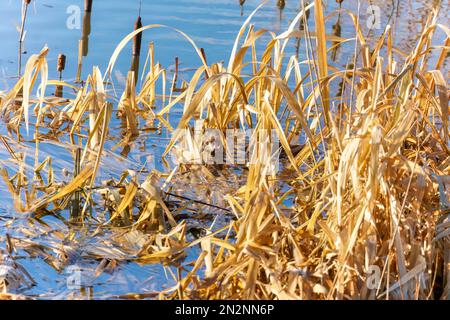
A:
(22, 30)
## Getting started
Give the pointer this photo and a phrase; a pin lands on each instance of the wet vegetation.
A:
(361, 194)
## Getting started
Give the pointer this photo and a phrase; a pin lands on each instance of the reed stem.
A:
(75, 212)
(137, 43)
(22, 30)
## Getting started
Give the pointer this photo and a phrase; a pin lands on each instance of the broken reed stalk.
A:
(88, 5)
(22, 31)
(322, 60)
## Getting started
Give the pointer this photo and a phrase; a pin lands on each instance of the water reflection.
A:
(337, 31)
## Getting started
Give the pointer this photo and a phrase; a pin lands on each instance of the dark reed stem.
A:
(60, 68)
(83, 43)
(241, 4)
(204, 58)
(22, 30)
(175, 76)
(196, 201)
(75, 213)
(88, 5)
(281, 4)
(137, 44)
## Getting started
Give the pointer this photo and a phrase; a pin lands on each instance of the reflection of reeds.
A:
(61, 65)
(25, 5)
(301, 27)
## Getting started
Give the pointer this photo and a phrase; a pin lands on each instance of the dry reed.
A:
(368, 188)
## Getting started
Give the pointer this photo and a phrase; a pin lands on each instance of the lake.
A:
(213, 25)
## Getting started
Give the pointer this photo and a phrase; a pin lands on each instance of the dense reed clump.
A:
(363, 198)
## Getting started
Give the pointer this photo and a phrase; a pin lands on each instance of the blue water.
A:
(213, 24)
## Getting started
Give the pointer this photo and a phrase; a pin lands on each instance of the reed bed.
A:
(365, 189)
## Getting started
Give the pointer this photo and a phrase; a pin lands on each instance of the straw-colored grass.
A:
(368, 189)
